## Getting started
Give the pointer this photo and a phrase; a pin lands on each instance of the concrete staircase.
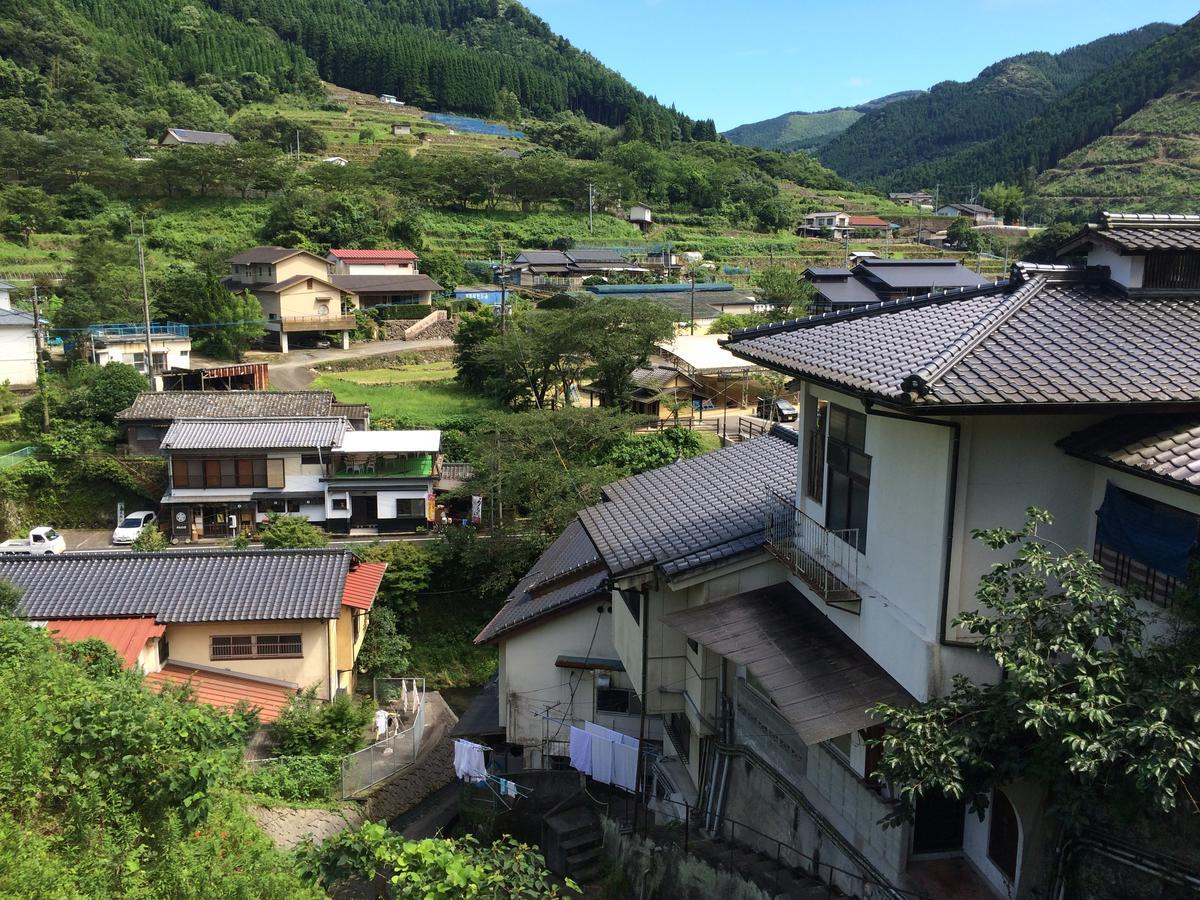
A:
(778, 879)
(576, 842)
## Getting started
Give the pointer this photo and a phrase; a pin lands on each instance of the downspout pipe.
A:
(951, 505)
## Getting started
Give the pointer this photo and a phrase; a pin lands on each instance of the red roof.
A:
(226, 689)
(868, 222)
(126, 636)
(362, 584)
(380, 256)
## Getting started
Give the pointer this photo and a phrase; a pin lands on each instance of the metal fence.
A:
(826, 559)
(11, 459)
(404, 698)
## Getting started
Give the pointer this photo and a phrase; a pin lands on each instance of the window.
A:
(255, 646)
(310, 459)
(224, 473)
(841, 745)
(849, 480)
(410, 508)
(617, 700)
(293, 506)
(148, 433)
(338, 503)
(814, 476)
(1171, 270)
(275, 473)
(270, 506)
(1004, 835)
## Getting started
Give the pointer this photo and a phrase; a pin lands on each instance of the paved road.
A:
(294, 371)
(96, 540)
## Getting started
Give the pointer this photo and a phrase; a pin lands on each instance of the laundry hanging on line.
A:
(608, 756)
(469, 764)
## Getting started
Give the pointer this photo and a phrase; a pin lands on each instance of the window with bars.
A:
(255, 646)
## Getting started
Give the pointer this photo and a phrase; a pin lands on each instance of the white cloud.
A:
(857, 81)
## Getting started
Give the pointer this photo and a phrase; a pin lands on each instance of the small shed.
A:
(399, 130)
(641, 216)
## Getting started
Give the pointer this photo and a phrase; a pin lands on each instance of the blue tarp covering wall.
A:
(1155, 535)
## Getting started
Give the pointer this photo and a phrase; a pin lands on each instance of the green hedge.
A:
(402, 311)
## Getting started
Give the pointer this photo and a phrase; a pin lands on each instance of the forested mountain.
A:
(807, 131)
(129, 64)
(954, 116)
(1150, 163)
(1093, 109)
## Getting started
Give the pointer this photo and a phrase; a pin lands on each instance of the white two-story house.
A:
(225, 476)
(760, 599)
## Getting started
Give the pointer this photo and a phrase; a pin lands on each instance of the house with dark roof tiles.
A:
(254, 626)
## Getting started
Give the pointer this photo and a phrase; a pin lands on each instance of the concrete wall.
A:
(18, 355)
(179, 352)
(352, 268)
(190, 643)
(300, 264)
(1125, 270)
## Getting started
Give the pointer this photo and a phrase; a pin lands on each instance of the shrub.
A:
(311, 727)
(282, 532)
(150, 540)
(295, 778)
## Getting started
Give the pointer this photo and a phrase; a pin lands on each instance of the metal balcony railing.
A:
(826, 560)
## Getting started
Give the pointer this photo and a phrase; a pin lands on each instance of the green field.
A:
(391, 393)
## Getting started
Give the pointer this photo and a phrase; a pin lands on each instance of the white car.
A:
(132, 525)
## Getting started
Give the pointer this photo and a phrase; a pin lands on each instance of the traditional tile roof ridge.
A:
(989, 321)
(1113, 219)
(169, 405)
(1133, 233)
(1163, 448)
(177, 586)
(858, 312)
(267, 255)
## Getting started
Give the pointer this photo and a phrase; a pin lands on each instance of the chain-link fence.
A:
(403, 699)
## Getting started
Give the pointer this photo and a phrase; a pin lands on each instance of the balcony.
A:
(827, 561)
(315, 323)
(385, 467)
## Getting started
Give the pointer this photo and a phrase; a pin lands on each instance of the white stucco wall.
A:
(18, 355)
(1125, 270)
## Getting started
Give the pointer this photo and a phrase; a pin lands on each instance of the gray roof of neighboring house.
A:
(279, 286)
(179, 586)
(387, 284)
(255, 434)
(544, 257)
(165, 406)
(827, 272)
(1140, 233)
(1052, 336)
(568, 572)
(708, 304)
(656, 378)
(851, 292)
(968, 207)
(16, 317)
(692, 505)
(1162, 447)
(920, 273)
(683, 517)
(266, 255)
(189, 136)
(586, 255)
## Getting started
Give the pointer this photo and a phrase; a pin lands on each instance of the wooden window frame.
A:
(278, 640)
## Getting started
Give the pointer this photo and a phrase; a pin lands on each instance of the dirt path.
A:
(294, 371)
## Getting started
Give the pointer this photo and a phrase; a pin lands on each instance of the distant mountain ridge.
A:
(807, 131)
(891, 144)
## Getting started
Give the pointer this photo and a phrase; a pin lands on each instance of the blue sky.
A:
(744, 60)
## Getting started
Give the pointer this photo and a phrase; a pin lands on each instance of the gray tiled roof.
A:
(384, 284)
(190, 136)
(568, 572)
(255, 434)
(851, 292)
(264, 255)
(182, 586)
(1163, 447)
(920, 273)
(16, 317)
(1140, 232)
(690, 506)
(684, 517)
(827, 272)
(655, 378)
(1050, 337)
(165, 406)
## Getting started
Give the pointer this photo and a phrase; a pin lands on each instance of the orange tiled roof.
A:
(127, 636)
(362, 584)
(868, 222)
(225, 689)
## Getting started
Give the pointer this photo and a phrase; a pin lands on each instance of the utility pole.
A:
(937, 191)
(297, 146)
(693, 319)
(503, 289)
(41, 363)
(146, 313)
(591, 204)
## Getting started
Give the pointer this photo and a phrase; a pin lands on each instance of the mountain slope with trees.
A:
(1092, 110)
(891, 142)
(807, 131)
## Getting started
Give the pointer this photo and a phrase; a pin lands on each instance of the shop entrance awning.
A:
(821, 681)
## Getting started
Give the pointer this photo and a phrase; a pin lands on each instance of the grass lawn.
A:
(433, 371)
(417, 402)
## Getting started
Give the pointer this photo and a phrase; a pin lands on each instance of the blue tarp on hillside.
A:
(1155, 535)
(679, 287)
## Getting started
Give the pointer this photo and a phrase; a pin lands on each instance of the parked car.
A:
(131, 526)
(42, 541)
(778, 411)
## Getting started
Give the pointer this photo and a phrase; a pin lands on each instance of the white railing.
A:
(404, 698)
(826, 560)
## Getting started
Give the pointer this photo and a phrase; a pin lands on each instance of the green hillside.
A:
(953, 116)
(1094, 109)
(807, 131)
(1150, 163)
